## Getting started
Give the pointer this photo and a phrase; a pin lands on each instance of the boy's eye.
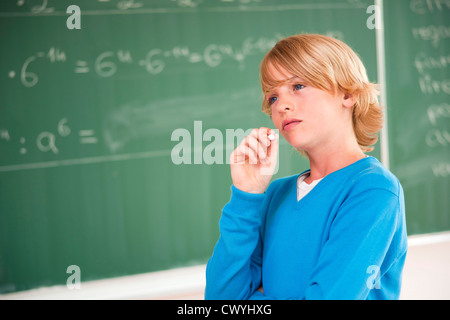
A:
(298, 87)
(272, 100)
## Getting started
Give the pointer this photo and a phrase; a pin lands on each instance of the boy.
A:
(335, 231)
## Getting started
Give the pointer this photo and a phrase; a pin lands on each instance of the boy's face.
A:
(307, 117)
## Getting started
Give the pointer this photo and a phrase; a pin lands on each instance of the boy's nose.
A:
(286, 105)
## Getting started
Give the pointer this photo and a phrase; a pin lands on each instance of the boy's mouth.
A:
(290, 123)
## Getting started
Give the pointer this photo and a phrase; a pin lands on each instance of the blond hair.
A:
(331, 65)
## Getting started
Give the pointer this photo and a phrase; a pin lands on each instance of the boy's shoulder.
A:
(371, 174)
(283, 183)
(365, 174)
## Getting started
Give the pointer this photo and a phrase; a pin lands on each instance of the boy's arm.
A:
(234, 270)
(367, 236)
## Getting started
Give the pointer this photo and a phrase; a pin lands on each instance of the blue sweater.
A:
(346, 239)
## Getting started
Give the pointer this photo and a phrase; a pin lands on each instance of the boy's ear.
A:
(349, 100)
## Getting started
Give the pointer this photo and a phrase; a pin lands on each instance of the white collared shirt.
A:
(302, 187)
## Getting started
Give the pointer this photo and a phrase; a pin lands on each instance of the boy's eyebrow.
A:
(291, 79)
(294, 78)
(281, 82)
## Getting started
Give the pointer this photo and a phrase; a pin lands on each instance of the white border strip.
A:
(181, 283)
(169, 284)
(429, 238)
(381, 71)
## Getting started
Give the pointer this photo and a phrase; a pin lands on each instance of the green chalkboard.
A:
(87, 115)
(418, 92)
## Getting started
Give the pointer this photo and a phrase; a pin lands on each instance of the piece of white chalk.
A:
(271, 137)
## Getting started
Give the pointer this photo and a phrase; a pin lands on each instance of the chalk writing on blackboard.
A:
(48, 141)
(107, 63)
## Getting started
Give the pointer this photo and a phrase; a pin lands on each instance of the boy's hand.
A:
(254, 161)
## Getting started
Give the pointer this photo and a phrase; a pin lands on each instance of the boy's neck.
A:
(327, 162)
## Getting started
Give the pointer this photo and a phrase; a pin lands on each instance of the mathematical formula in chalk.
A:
(44, 7)
(48, 141)
(107, 63)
